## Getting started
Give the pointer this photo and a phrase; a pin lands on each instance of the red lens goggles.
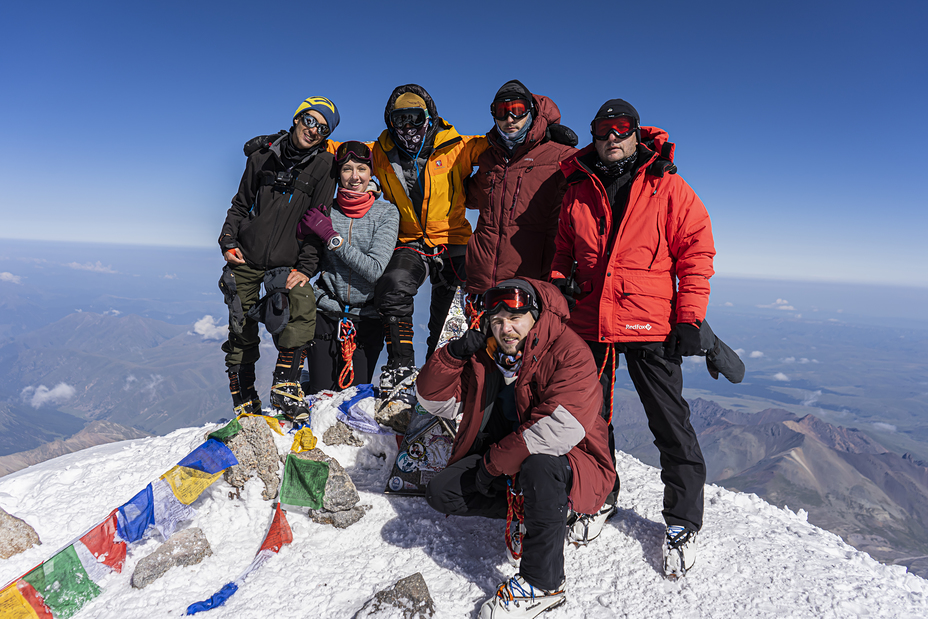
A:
(352, 149)
(621, 126)
(517, 109)
(513, 299)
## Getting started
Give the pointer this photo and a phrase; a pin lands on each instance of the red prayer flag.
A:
(101, 542)
(279, 534)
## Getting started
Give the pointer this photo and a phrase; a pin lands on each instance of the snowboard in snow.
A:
(423, 453)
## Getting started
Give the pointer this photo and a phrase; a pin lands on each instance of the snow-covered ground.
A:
(755, 560)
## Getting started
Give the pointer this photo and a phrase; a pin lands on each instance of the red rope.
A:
(346, 333)
(610, 350)
(516, 509)
(471, 303)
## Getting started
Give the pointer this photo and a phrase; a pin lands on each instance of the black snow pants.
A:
(325, 355)
(545, 483)
(405, 274)
(659, 383)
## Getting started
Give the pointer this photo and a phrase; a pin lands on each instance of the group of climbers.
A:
(576, 256)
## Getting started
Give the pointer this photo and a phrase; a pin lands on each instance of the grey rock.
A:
(256, 452)
(187, 547)
(340, 492)
(340, 520)
(410, 596)
(395, 415)
(341, 434)
(15, 535)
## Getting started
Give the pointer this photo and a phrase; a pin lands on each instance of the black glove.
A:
(465, 346)
(563, 135)
(569, 288)
(683, 340)
(485, 480)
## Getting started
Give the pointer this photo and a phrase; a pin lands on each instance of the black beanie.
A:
(617, 107)
(513, 89)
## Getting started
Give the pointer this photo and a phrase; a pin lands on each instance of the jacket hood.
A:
(416, 89)
(546, 113)
(552, 321)
(654, 140)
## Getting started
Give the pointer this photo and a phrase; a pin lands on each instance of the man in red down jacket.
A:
(643, 247)
(530, 402)
(517, 189)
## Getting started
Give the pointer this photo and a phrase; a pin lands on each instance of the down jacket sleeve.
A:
(691, 244)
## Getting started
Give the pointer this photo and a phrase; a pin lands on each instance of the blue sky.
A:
(800, 125)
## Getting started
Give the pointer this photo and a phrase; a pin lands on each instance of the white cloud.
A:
(169, 276)
(208, 328)
(90, 266)
(739, 351)
(789, 360)
(756, 354)
(153, 381)
(812, 398)
(728, 304)
(885, 427)
(9, 277)
(112, 312)
(129, 380)
(780, 304)
(803, 361)
(781, 377)
(41, 395)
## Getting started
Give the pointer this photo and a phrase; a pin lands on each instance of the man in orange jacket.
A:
(634, 251)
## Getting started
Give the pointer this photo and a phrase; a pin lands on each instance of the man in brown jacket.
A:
(517, 189)
(530, 402)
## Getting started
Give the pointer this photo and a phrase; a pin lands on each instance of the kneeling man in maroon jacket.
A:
(530, 401)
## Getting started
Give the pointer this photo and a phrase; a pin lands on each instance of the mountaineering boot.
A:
(516, 533)
(242, 385)
(286, 393)
(584, 528)
(401, 356)
(517, 598)
(679, 551)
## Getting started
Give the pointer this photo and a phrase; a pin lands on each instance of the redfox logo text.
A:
(637, 327)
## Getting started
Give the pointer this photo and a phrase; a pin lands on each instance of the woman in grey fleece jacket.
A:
(345, 287)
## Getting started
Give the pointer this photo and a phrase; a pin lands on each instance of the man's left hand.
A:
(683, 340)
(485, 480)
(296, 278)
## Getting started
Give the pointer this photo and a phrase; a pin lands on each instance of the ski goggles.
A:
(414, 116)
(359, 151)
(511, 299)
(621, 126)
(517, 109)
(310, 122)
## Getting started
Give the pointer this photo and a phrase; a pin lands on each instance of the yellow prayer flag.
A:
(275, 425)
(14, 606)
(303, 440)
(187, 484)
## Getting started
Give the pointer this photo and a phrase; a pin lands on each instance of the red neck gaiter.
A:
(354, 204)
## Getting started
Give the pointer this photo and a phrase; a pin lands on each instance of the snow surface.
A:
(755, 560)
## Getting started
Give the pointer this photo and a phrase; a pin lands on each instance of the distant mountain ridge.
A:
(95, 433)
(848, 483)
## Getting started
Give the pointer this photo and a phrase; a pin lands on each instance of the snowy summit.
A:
(755, 560)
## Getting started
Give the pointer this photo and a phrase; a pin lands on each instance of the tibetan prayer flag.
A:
(211, 457)
(17, 604)
(63, 583)
(303, 485)
(136, 516)
(227, 431)
(102, 544)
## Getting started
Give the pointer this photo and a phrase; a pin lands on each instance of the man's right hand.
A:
(233, 256)
(468, 344)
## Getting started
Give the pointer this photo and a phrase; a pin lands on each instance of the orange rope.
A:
(346, 333)
(610, 350)
(516, 509)
(471, 303)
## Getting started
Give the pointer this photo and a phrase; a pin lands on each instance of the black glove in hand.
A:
(683, 340)
(569, 288)
(484, 481)
(465, 346)
(562, 134)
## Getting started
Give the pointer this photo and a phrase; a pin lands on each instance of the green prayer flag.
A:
(63, 583)
(303, 485)
(227, 431)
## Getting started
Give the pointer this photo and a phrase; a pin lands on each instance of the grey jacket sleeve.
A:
(371, 266)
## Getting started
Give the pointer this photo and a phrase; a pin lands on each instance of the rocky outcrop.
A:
(256, 452)
(409, 598)
(187, 547)
(15, 535)
(341, 434)
(339, 503)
